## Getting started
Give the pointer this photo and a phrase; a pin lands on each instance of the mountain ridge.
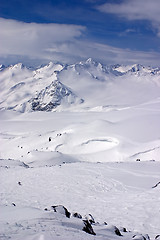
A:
(23, 86)
(132, 67)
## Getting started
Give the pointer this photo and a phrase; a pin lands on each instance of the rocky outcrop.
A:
(141, 237)
(90, 226)
(62, 210)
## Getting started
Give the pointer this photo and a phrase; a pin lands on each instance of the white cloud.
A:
(31, 39)
(103, 53)
(41, 43)
(113, 55)
(136, 10)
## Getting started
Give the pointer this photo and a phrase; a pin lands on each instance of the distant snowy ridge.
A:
(123, 69)
(57, 87)
(116, 69)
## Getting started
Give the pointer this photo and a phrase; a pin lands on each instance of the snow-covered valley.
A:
(82, 136)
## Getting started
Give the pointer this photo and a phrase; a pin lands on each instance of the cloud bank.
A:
(136, 10)
(40, 43)
(32, 38)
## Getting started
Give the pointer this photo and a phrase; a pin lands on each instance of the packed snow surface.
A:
(91, 143)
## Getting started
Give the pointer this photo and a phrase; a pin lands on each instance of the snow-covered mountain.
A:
(53, 96)
(78, 141)
(55, 86)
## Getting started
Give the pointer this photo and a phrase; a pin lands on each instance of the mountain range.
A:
(58, 87)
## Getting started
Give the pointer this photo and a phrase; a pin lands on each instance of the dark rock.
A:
(113, 229)
(62, 210)
(25, 165)
(59, 134)
(147, 237)
(14, 204)
(124, 229)
(88, 227)
(141, 237)
(117, 232)
(158, 236)
(90, 218)
(77, 215)
(156, 185)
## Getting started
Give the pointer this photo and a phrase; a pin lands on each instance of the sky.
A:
(109, 31)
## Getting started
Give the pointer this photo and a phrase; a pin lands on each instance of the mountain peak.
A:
(18, 66)
(2, 67)
(90, 60)
(53, 96)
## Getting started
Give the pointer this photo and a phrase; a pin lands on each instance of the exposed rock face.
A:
(88, 227)
(53, 96)
(77, 215)
(90, 218)
(158, 236)
(117, 232)
(113, 229)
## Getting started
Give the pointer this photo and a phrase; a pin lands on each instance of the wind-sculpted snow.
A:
(89, 146)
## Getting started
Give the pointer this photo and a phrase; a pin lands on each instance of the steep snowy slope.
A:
(19, 84)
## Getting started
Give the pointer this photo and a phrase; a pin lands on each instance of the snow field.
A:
(117, 193)
(85, 166)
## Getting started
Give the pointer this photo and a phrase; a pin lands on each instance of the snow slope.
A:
(97, 152)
